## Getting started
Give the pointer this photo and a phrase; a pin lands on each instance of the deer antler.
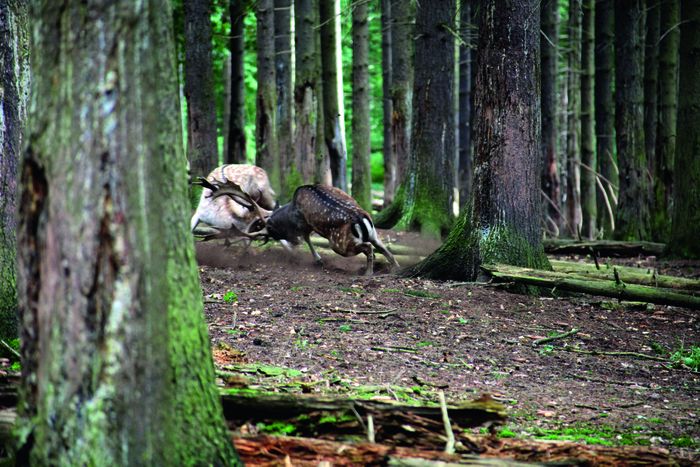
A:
(233, 190)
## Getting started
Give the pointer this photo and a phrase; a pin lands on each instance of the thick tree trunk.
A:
(686, 207)
(549, 45)
(573, 121)
(285, 101)
(464, 173)
(504, 221)
(267, 154)
(605, 115)
(361, 171)
(14, 90)
(333, 112)
(667, 117)
(588, 155)
(116, 365)
(236, 153)
(390, 170)
(651, 80)
(226, 75)
(202, 150)
(402, 47)
(633, 206)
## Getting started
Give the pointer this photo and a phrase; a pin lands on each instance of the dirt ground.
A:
(344, 332)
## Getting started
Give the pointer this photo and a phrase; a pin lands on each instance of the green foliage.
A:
(344, 328)
(230, 297)
(421, 294)
(689, 357)
(277, 428)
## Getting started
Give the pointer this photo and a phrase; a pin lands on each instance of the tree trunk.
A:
(651, 80)
(390, 171)
(633, 205)
(236, 130)
(588, 155)
(504, 221)
(605, 115)
(668, 110)
(573, 121)
(14, 90)
(227, 101)
(333, 112)
(402, 47)
(549, 45)
(267, 154)
(285, 102)
(361, 171)
(202, 149)
(116, 365)
(306, 92)
(686, 207)
(464, 177)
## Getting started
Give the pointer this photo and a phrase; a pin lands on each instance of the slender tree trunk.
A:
(227, 102)
(267, 151)
(549, 44)
(633, 220)
(588, 155)
(402, 47)
(651, 82)
(686, 208)
(390, 171)
(285, 102)
(116, 365)
(573, 139)
(361, 172)
(334, 118)
(464, 177)
(504, 222)
(202, 149)
(668, 110)
(236, 153)
(605, 115)
(14, 90)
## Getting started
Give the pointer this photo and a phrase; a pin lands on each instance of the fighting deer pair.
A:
(248, 212)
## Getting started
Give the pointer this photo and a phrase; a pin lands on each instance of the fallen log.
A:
(630, 275)
(394, 248)
(603, 247)
(606, 288)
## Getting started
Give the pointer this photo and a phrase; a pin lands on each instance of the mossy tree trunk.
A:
(549, 45)
(361, 171)
(651, 82)
(14, 89)
(333, 111)
(605, 115)
(573, 121)
(267, 154)
(202, 149)
(503, 224)
(424, 201)
(464, 157)
(285, 102)
(633, 220)
(236, 149)
(667, 117)
(588, 155)
(388, 109)
(116, 366)
(686, 207)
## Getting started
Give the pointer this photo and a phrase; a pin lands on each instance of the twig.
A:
(607, 201)
(366, 312)
(603, 381)
(9, 347)
(544, 340)
(370, 428)
(641, 356)
(343, 320)
(450, 445)
(394, 349)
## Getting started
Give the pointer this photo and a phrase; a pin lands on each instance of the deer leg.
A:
(317, 257)
(369, 252)
(385, 251)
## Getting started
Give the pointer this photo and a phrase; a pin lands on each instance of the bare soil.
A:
(343, 330)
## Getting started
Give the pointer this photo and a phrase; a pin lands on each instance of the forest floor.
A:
(333, 331)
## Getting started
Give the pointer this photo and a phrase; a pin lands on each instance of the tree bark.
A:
(226, 75)
(285, 101)
(573, 121)
(202, 149)
(390, 170)
(333, 112)
(267, 154)
(236, 153)
(667, 117)
(605, 115)
(116, 365)
(651, 80)
(549, 45)
(361, 171)
(633, 204)
(503, 223)
(14, 91)
(464, 173)
(686, 207)
(588, 155)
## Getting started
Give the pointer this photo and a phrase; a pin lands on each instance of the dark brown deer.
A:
(326, 210)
